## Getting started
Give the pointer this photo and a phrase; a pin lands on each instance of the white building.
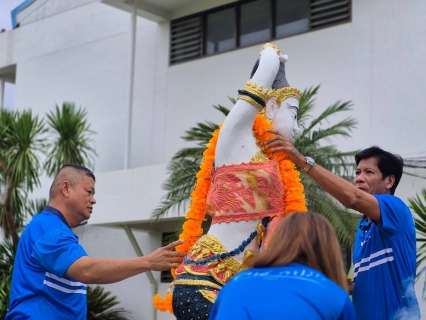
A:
(141, 95)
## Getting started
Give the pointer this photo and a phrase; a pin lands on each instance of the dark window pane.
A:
(292, 17)
(255, 22)
(167, 237)
(220, 35)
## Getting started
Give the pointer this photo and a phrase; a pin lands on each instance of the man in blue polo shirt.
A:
(51, 269)
(385, 247)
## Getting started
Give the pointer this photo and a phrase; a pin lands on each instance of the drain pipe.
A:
(154, 285)
(128, 139)
(2, 81)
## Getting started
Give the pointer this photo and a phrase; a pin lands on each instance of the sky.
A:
(6, 6)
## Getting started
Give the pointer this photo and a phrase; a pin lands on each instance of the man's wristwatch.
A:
(309, 163)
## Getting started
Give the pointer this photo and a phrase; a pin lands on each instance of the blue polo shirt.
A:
(40, 288)
(291, 292)
(385, 264)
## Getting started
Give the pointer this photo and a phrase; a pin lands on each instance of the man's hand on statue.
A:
(165, 257)
(282, 143)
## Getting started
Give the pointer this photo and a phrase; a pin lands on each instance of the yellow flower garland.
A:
(294, 199)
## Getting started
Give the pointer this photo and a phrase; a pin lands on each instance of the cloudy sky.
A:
(5, 23)
(5, 7)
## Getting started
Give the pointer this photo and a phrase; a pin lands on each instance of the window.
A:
(167, 237)
(255, 22)
(220, 35)
(292, 17)
(250, 22)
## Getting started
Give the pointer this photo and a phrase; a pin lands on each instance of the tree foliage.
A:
(7, 257)
(71, 143)
(25, 140)
(418, 205)
(100, 305)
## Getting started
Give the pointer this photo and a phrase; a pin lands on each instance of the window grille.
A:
(185, 39)
(329, 12)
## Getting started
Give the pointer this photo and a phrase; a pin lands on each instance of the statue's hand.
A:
(267, 66)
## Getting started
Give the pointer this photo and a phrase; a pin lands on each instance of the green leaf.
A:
(101, 303)
(418, 206)
(72, 138)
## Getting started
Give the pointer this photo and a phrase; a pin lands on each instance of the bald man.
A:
(51, 269)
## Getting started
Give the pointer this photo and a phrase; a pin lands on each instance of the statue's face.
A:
(285, 120)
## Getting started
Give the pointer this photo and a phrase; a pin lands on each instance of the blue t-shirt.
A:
(40, 288)
(291, 292)
(385, 264)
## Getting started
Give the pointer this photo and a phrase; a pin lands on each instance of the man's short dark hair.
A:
(73, 173)
(389, 164)
(77, 167)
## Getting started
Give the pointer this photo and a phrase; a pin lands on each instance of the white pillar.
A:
(2, 81)
(127, 148)
(136, 247)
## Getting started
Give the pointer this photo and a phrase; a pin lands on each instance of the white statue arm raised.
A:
(236, 144)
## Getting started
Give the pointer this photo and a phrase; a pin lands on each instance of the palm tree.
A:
(100, 305)
(418, 205)
(310, 142)
(21, 141)
(71, 144)
(185, 163)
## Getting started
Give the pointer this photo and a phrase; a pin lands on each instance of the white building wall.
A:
(82, 55)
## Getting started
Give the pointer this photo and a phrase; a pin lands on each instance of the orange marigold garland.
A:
(294, 199)
(191, 228)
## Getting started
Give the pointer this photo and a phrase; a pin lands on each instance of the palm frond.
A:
(343, 222)
(100, 305)
(224, 110)
(343, 128)
(179, 186)
(72, 138)
(418, 205)
(25, 143)
(7, 255)
(306, 105)
(192, 153)
(330, 111)
(7, 258)
(201, 133)
(184, 166)
(35, 206)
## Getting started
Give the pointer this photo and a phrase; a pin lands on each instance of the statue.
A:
(246, 190)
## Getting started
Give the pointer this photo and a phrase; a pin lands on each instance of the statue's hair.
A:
(72, 173)
(309, 239)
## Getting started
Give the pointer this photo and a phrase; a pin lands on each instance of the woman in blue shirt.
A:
(299, 276)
